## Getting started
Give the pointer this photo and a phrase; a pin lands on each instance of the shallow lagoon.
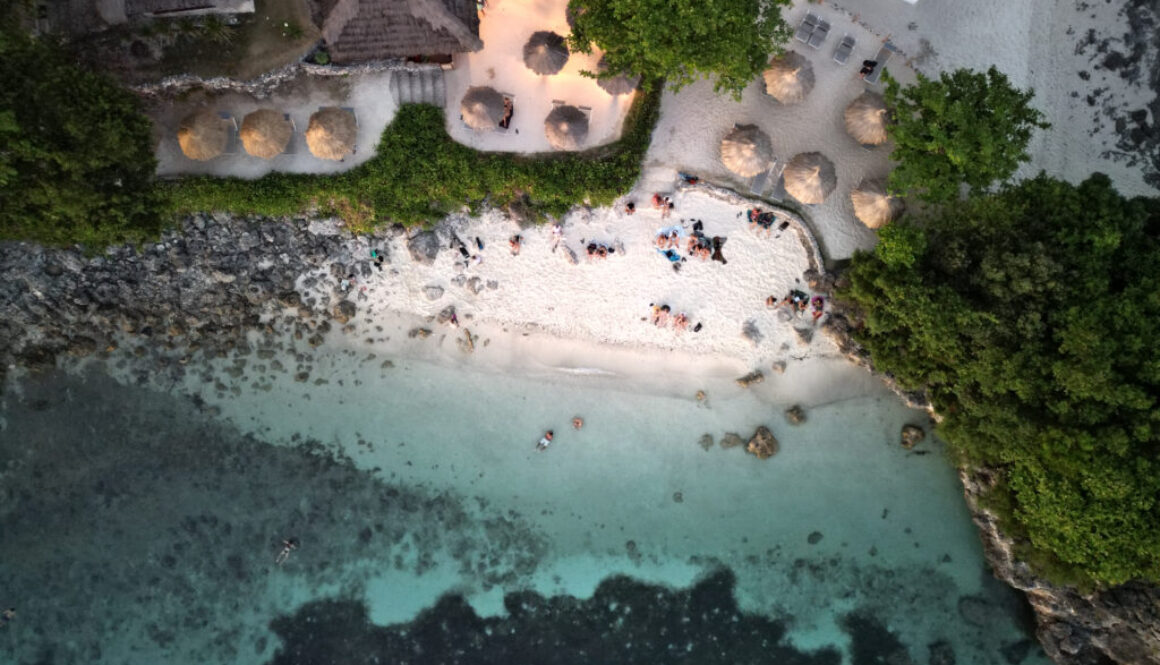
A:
(141, 522)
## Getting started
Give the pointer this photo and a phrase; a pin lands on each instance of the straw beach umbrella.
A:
(789, 78)
(810, 177)
(545, 53)
(866, 119)
(566, 127)
(266, 133)
(202, 135)
(482, 108)
(746, 151)
(621, 84)
(331, 133)
(873, 205)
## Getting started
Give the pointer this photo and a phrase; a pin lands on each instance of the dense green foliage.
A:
(1031, 316)
(76, 160)
(682, 40)
(419, 174)
(964, 128)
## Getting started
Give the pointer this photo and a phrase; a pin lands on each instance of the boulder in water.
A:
(795, 414)
(912, 435)
(763, 444)
(752, 378)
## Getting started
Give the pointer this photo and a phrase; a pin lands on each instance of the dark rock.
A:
(912, 435)
(762, 444)
(433, 292)
(424, 247)
(678, 497)
(814, 538)
(795, 415)
(752, 378)
(421, 333)
(804, 335)
(941, 653)
(475, 285)
(750, 332)
(1015, 652)
(446, 314)
(706, 441)
(778, 366)
(344, 311)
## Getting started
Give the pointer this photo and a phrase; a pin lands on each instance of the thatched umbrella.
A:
(810, 177)
(566, 127)
(789, 78)
(746, 151)
(621, 84)
(331, 133)
(202, 135)
(482, 108)
(266, 133)
(545, 53)
(873, 205)
(866, 119)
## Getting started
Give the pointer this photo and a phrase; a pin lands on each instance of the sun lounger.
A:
(845, 48)
(351, 109)
(819, 35)
(292, 145)
(882, 58)
(758, 183)
(806, 28)
(510, 98)
(778, 192)
(231, 123)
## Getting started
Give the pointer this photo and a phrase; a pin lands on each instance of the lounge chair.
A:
(504, 128)
(845, 48)
(778, 192)
(351, 109)
(292, 145)
(806, 28)
(819, 35)
(231, 123)
(758, 182)
(881, 58)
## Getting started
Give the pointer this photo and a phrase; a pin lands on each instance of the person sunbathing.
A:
(681, 321)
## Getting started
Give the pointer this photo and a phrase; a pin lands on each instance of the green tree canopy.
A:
(1031, 317)
(682, 40)
(76, 160)
(964, 128)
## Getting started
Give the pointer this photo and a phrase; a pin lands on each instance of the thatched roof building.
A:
(866, 119)
(566, 128)
(746, 151)
(873, 206)
(203, 135)
(810, 177)
(266, 133)
(789, 78)
(363, 30)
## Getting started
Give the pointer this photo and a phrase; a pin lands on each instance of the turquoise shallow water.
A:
(140, 523)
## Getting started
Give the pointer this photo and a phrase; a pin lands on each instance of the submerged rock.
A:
(795, 415)
(344, 311)
(706, 441)
(752, 378)
(731, 440)
(762, 444)
(912, 435)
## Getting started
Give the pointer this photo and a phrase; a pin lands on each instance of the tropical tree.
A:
(1031, 317)
(682, 40)
(76, 160)
(965, 128)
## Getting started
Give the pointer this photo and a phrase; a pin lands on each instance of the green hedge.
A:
(420, 174)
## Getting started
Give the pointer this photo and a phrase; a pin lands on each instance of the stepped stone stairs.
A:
(419, 86)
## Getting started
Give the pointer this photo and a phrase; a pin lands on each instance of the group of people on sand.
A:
(766, 220)
(546, 440)
(598, 250)
(662, 315)
(798, 302)
(664, 203)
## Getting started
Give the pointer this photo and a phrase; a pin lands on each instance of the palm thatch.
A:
(566, 128)
(266, 133)
(545, 53)
(810, 177)
(621, 84)
(482, 108)
(873, 206)
(866, 119)
(331, 133)
(203, 135)
(746, 151)
(789, 78)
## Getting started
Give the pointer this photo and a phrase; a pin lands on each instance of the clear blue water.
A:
(140, 523)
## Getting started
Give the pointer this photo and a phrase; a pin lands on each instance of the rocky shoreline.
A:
(202, 289)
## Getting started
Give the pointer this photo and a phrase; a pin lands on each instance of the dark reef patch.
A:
(625, 621)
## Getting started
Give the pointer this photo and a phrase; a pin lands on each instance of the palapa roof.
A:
(866, 119)
(789, 78)
(203, 135)
(266, 133)
(810, 177)
(482, 108)
(873, 206)
(332, 133)
(621, 84)
(566, 128)
(746, 151)
(545, 53)
(162, 7)
(362, 30)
